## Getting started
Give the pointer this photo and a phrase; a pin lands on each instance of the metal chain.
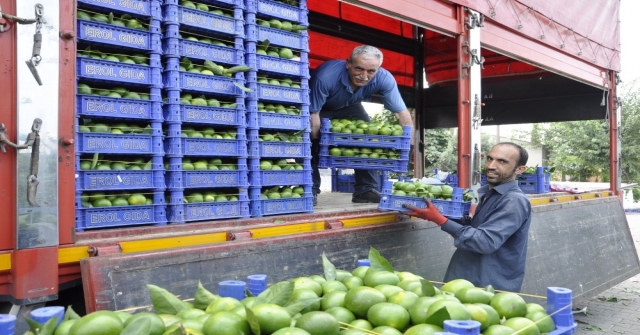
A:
(37, 37)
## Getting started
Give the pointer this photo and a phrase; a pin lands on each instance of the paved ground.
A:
(617, 310)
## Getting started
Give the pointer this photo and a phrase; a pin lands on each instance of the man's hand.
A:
(404, 118)
(431, 213)
(315, 125)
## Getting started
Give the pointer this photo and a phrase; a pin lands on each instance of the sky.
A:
(630, 44)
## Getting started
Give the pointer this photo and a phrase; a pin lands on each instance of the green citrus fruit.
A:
(361, 324)
(307, 283)
(124, 316)
(360, 271)
(271, 317)
(409, 285)
(418, 311)
(303, 293)
(342, 274)
(360, 299)
(405, 299)
(404, 275)
(498, 330)
(63, 328)
(333, 285)
(509, 305)
(225, 323)
(388, 290)
(223, 304)
(169, 319)
(386, 330)
(493, 318)
(522, 325)
(341, 314)
(351, 331)
(352, 281)
(456, 311)
(375, 278)
(479, 314)
(473, 295)
(156, 324)
(318, 323)
(248, 301)
(97, 323)
(423, 329)
(318, 279)
(291, 331)
(332, 299)
(543, 321)
(192, 324)
(456, 285)
(533, 307)
(388, 314)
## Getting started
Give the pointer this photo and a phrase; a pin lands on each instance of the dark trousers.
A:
(366, 180)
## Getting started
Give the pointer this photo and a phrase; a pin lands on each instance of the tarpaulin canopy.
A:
(579, 39)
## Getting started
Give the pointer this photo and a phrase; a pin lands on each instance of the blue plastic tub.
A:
(263, 207)
(205, 115)
(203, 83)
(205, 22)
(295, 14)
(454, 208)
(121, 108)
(258, 177)
(178, 212)
(179, 47)
(121, 37)
(138, 8)
(120, 216)
(363, 140)
(110, 71)
(276, 37)
(539, 183)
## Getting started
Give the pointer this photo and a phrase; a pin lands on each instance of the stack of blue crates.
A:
(278, 104)
(120, 177)
(204, 111)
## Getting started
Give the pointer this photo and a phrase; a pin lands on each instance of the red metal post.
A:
(464, 103)
(614, 135)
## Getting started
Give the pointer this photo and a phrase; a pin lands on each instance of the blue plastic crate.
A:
(258, 177)
(449, 208)
(179, 47)
(139, 8)
(535, 183)
(120, 216)
(205, 115)
(121, 37)
(346, 182)
(215, 3)
(110, 71)
(277, 65)
(119, 180)
(266, 120)
(295, 14)
(119, 144)
(276, 37)
(203, 83)
(178, 212)
(278, 149)
(180, 179)
(121, 108)
(394, 165)
(452, 180)
(185, 146)
(363, 140)
(205, 22)
(262, 207)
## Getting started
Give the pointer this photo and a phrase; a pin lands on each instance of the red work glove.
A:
(431, 213)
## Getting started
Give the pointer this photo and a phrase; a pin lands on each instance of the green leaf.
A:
(70, 314)
(164, 302)
(213, 67)
(379, 263)
(138, 326)
(240, 86)
(94, 162)
(203, 297)
(295, 307)
(329, 268)
(439, 317)
(253, 321)
(264, 44)
(186, 63)
(427, 288)
(248, 293)
(111, 17)
(49, 327)
(175, 330)
(278, 293)
(126, 17)
(34, 325)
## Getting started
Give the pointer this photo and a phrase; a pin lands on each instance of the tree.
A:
(448, 160)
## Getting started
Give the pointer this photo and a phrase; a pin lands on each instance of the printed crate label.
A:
(115, 35)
